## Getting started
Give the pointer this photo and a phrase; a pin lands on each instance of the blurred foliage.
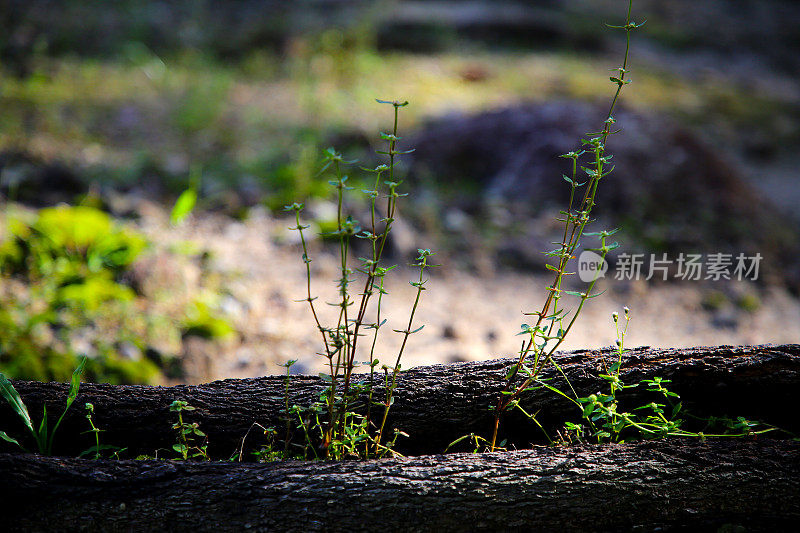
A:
(202, 321)
(64, 295)
(232, 29)
(69, 261)
(257, 130)
(252, 91)
(67, 244)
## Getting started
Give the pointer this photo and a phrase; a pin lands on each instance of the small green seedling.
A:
(188, 434)
(98, 448)
(42, 435)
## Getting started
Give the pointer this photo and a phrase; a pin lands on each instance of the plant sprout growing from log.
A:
(552, 325)
(346, 432)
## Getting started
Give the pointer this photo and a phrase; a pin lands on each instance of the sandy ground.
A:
(257, 266)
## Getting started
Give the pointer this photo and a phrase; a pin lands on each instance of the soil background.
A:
(467, 315)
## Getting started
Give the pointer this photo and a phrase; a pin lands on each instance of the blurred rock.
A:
(26, 179)
(670, 191)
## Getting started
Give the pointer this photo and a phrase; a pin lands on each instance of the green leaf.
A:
(389, 137)
(7, 438)
(75, 384)
(183, 206)
(557, 391)
(15, 401)
(392, 102)
(97, 449)
(41, 435)
(459, 439)
(512, 372)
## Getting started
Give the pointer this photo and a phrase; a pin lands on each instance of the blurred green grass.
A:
(263, 120)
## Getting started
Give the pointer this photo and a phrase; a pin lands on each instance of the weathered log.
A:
(649, 486)
(434, 404)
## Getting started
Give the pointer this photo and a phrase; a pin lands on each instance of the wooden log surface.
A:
(434, 404)
(732, 485)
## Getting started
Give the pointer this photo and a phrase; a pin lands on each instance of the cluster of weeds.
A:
(62, 279)
(604, 420)
(66, 292)
(344, 427)
(42, 435)
(344, 422)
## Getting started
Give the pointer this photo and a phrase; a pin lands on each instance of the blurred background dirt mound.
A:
(670, 191)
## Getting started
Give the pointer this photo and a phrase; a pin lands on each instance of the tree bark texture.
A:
(733, 485)
(434, 404)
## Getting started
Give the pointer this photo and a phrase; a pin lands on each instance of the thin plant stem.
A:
(574, 226)
(422, 262)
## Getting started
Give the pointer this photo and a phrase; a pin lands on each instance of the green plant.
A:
(67, 276)
(345, 431)
(203, 320)
(43, 435)
(69, 242)
(98, 449)
(604, 419)
(269, 450)
(552, 324)
(478, 443)
(63, 271)
(268, 453)
(188, 434)
(187, 200)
